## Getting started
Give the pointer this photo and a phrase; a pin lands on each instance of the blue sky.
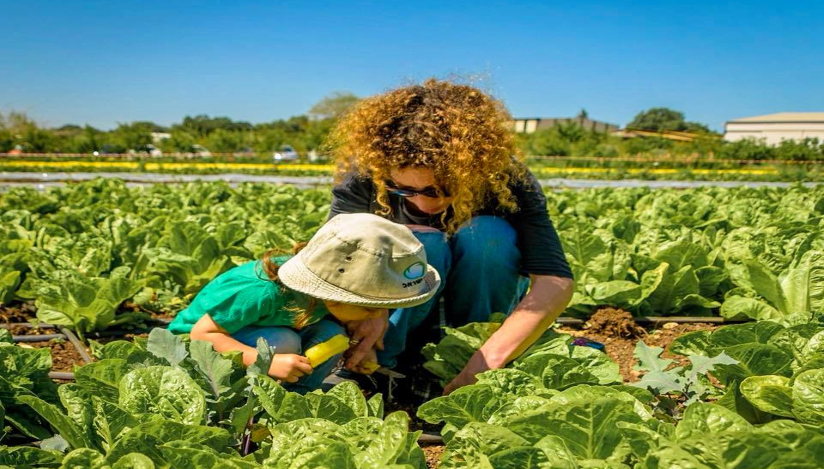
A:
(103, 62)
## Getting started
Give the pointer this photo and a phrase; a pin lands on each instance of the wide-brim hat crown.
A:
(365, 260)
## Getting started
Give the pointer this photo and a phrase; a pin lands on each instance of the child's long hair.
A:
(302, 315)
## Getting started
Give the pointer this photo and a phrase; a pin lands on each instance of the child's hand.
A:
(289, 367)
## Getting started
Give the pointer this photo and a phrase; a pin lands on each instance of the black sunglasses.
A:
(428, 192)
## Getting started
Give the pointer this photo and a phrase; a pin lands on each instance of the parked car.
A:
(153, 150)
(244, 152)
(286, 153)
(150, 149)
(200, 150)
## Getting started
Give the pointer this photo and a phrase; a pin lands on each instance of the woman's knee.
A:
(487, 237)
(438, 252)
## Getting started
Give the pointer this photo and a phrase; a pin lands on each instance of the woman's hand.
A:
(477, 364)
(289, 367)
(367, 335)
(545, 301)
(370, 357)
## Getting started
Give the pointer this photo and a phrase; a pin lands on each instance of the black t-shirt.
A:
(541, 251)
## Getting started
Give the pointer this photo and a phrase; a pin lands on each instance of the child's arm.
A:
(288, 367)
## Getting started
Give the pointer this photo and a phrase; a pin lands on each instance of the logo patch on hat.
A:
(416, 270)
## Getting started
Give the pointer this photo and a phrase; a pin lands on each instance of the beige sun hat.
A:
(365, 260)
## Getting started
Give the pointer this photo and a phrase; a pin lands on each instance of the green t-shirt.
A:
(244, 296)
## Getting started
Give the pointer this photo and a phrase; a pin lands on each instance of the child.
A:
(354, 268)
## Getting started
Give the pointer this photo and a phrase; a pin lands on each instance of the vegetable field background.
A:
(101, 254)
(81, 251)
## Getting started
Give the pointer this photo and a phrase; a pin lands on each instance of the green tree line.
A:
(308, 132)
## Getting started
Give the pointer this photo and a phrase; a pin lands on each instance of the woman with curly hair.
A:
(439, 157)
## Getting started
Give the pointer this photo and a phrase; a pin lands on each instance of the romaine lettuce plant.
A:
(165, 402)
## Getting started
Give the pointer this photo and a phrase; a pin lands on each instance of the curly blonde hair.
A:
(459, 132)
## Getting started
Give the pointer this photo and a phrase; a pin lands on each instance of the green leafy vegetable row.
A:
(163, 402)
(751, 395)
(81, 251)
(746, 253)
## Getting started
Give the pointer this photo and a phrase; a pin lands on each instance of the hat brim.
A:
(294, 274)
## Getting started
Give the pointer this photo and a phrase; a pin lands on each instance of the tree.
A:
(180, 141)
(18, 129)
(227, 141)
(333, 105)
(6, 140)
(548, 142)
(150, 126)
(134, 136)
(658, 119)
(202, 125)
(698, 128)
(16, 121)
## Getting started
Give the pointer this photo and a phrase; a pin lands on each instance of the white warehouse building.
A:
(773, 128)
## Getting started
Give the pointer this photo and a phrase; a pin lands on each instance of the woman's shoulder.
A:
(354, 181)
(526, 189)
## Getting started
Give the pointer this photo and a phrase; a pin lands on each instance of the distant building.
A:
(773, 128)
(531, 124)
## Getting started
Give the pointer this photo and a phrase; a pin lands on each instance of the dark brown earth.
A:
(22, 329)
(22, 312)
(619, 333)
(433, 455)
(64, 355)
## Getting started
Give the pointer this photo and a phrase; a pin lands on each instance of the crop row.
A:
(83, 252)
(166, 402)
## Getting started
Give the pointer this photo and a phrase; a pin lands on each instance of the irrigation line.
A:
(66, 375)
(656, 320)
(561, 320)
(81, 349)
(38, 338)
(159, 322)
(633, 159)
(28, 325)
(685, 320)
(430, 438)
(425, 437)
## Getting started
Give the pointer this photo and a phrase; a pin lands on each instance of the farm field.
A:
(730, 374)
(580, 168)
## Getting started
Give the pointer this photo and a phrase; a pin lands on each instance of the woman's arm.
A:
(546, 300)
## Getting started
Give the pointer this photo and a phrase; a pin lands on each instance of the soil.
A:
(612, 322)
(22, 329)
(64, 355)
(619, 333)
(433, 455)
(414, 422)
(20, 312)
